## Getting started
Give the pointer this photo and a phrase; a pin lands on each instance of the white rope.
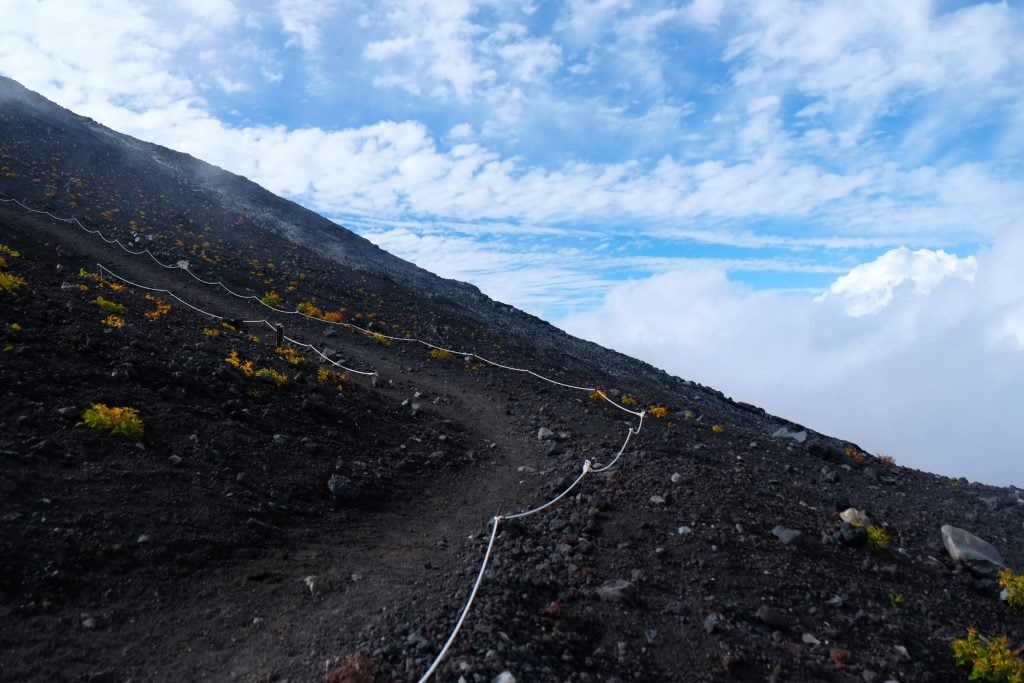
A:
(560, 496)
(587, 464)
(368, 332)
(220, 317)
(469, 602)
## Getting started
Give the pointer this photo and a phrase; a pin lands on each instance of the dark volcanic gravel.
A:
(307, 531)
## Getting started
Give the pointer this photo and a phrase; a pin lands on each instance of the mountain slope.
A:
(264, 530)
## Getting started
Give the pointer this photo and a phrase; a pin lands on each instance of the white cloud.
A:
(870, 287)
(932, 379)
(302, 20)
(218, 12)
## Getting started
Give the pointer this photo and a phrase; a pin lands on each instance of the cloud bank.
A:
(916, 355)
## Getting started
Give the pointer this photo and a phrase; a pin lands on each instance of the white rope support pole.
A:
(469, 603)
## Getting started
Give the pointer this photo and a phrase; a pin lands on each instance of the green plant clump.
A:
(119, 420)
(990, 659)
(878, 538)
(109, 306)
(272, 299)
(9, 282)
(1013, 585)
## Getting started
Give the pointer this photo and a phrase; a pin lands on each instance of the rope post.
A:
(280, 336)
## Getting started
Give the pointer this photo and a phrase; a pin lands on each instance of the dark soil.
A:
(213, 548)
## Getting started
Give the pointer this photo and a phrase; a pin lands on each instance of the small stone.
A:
(175, 459)
(545, 434)
(810, 639)
(855, 517)
(341, 487)
(144, 538)
(712, 622)
(787, 536)
(772, 616)
(504, 677)
(783, 433)
(657, 500)
(684, 530)
(676, 478)
(616, 590)
(88, 621)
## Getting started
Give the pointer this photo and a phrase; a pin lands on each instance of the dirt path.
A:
(349, 578)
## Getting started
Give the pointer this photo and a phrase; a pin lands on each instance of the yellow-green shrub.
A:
(990, 659)
(10, 283)
(659, 412)
(440, 354)
(118, 420)
(1013, 584)
(108, 305)
(272, 299)
(878, 538)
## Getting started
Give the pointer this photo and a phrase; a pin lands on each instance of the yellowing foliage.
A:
(161, 308)
(108, 305)
(717, 429)
(1013, 584)
(659, 412)
(272, 299)
(119, 420)
(440, 354)
(332, 377)
(990, 659)
(291, 355)
(113, 321)
(10, 283)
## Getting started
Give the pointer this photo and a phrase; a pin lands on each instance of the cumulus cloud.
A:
(930, 375)
(870, 287)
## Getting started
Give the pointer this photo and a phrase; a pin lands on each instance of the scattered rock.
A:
(341, 487)
(809, 639)
(855, 517)
(788, 536)
(504, 677)
(657, 500)
(356, 668)
(783, 433)
(545, 434)
(977, 555)
(684, 530)
(617, 590)
(712, 622)
(772, 616)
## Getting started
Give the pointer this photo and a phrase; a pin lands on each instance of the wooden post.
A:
(280, 336)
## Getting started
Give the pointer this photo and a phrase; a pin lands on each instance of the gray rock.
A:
(772, 616)
(555, 448)
(788, 536)
(504, 677)
(684, 530)
(977, 555)
(657, 500)
(341, 487)
(545, 434)
(617, 590)
(855, 517)
(783, 433)
(712, 622)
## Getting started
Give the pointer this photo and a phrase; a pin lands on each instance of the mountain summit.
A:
(243, 443)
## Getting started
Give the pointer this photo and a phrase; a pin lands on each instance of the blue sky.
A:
(815, 207)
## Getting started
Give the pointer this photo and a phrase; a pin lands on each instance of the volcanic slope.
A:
(304, 522)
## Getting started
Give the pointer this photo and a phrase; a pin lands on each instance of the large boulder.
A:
(977, 555)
